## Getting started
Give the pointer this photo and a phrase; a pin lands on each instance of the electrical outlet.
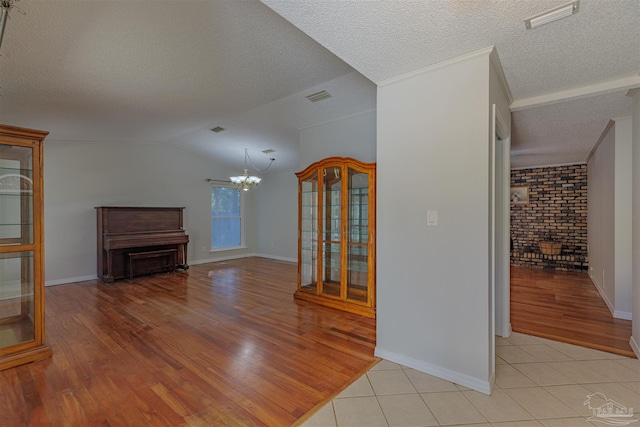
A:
(204, 249)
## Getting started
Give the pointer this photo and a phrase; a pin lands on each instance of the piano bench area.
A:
(169, 258)
(136, 240)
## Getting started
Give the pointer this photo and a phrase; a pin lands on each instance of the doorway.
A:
(565, 306)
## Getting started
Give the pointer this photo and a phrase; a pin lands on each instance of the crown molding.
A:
(553, 165)
(582, 92)
(444, 64)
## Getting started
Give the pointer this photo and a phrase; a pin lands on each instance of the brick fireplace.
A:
(556, 210)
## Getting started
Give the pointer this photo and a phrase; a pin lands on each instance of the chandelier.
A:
(5, 7)
(246, 181)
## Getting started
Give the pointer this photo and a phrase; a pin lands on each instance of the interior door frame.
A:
(501, 183)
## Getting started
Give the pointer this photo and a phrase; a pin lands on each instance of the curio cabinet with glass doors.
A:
(336, 234)
(21, 248)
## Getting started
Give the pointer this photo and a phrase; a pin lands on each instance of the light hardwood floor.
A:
(222, 345)
(565, 306)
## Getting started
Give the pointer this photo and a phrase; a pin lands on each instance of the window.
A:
(226, 218)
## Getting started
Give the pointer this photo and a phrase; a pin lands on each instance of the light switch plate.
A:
(432, 218)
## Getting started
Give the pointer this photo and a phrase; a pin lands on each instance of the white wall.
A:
(601, 217)
(277, 198)
(432, 282)
(623, 219)
(353, 136)
(81, 176)
(277, 216)
(609, 174)
(635, 337)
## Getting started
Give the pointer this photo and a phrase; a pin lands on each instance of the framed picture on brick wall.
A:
(519, 195)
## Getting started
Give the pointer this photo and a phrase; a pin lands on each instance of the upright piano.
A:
(140, 240)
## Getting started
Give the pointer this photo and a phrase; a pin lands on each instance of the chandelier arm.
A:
(5, 7)
(8, 5)
(4, 14)
(246, 154)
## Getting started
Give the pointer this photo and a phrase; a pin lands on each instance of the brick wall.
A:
(557, 210)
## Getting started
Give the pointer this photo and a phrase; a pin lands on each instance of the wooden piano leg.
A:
(184, 265)
(108, 278)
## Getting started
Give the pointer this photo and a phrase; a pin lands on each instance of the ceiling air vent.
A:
(318, 96)
(217, 129)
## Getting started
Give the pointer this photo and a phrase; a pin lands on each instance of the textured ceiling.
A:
(166, 72)
(276, 124)
(586, 54)
(383, 39)
(541, 132)
(157, 71)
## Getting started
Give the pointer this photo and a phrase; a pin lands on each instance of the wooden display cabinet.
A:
(336, 234)
(21, 247)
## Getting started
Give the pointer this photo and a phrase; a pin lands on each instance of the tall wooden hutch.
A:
(336, 234)
(21, 247)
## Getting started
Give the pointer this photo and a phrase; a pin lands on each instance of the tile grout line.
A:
(586, 359)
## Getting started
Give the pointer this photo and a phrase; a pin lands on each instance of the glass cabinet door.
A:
(16, 195)
(17, 283)
(332, 230)
(17, 303)
(357, 236)
(309, 233)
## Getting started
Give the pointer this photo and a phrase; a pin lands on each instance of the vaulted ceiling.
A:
(163, 72)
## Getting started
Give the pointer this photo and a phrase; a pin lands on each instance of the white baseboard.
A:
(222, 258)
(276, 257)
(635, 347)
(230, 257)
(509, 331)
(617, 314)
(603, 295)
(69, 280)
(503, 332)
(624, 315)
(492, 380)
(195, 262)
(438, 371)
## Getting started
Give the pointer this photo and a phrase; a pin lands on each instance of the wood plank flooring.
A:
(567, 307)
(224, 344)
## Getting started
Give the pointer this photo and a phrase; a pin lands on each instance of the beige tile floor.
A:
(538, 383)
